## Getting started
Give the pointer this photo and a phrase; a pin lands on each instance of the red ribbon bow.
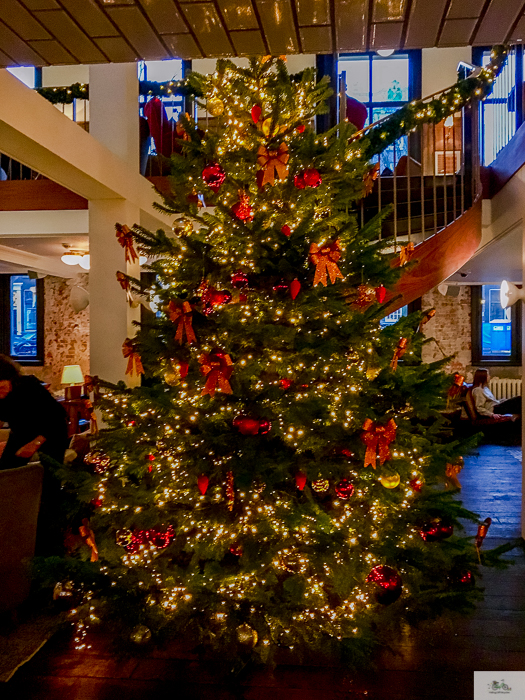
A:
(125, 284)
(88, 537)
(273, 163)
(182, 314)
(125, 238)
(377, 438)
(399, 352)
(217, 367)
(134, 361)
(324, 258)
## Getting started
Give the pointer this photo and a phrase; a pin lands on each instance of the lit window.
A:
(26, 74)
(393, 317)
(21, 318)
(495, 331)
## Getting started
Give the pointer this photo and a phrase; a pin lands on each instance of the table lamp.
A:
(72, 375)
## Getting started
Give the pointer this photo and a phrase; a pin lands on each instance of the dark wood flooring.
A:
(435, 664)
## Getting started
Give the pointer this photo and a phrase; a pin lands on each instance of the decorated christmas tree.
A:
(278, 480)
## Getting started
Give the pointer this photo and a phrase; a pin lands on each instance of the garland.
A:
(419, 112)
(65, 95)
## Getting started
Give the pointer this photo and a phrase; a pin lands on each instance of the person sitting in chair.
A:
(485, 401)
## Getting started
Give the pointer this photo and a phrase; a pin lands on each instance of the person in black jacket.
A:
(37, 423)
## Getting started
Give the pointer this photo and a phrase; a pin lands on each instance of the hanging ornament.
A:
(123, 538)
(457, 386)
(124, 282)
(378, 438)
(372, 372)
(280, 286)
(300, 480)
(181, 313)
(242, 209)
(344, 452)
(405, 254)
(99, 460)
(212, 298)
(273, 164)
(268, 128)
(436, 531)
(176, 372)
(236, 550)
(247, 636)
(88, 538)
(390, 481)
(230, 492)
(483, 528)
(215, 107)
(202, 483)
(125, 238)
(214, 176)
(466, 578)
(388, 584)
(416, 484)
(312, 178)
(140, 635)
(256, 113)
(365, 296)
(251, 426)
(285, 383)
(134, 362)
(320, 485)
(295, 288)
(182, 226)
(380, 293)
(426, 318)
(324, 258)
(286, 230)
(344, 489)
(63, 589)
(217, 367)
(300, 129)
(452, 471)
(239, 279)
(399, 352)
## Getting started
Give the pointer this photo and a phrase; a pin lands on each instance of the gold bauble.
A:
(215, 107)
(63, 589)
(140, 634)
(171, 378)
(372, 372)
(390, 481)
(320, 485)
(182, 226)
(247, 635)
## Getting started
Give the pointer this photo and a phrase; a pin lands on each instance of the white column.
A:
(113, 92)
(522, 385)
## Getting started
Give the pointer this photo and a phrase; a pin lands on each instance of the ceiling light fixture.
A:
(384, 53)
(509, 294)
(71, 258)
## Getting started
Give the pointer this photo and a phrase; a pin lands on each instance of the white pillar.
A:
(114, 121)
(522, 385)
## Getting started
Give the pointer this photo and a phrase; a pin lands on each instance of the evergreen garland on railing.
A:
(65, 95)
(418, 112)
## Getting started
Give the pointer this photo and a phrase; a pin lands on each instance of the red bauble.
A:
(280, 286)
(211, 298)
(380, 293)
(388, 582)
(416, 484)
(301, 128)
(242, 209)
(300, 480)
(295, 288)
(466, 578)
(251, 426)
(312, 178)
(299, 182)
(285, 383)
(344, 489)
(256, 113)
(436, 531)
(213, 175)
(346, 452)
(239, 279)
(96, 502)
(286, 230)
(202, 483)
(161, 538)
(236, 550)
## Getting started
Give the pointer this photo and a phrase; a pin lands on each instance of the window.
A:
(495, 331)
(383, 84)
(25, 74)
(21, 318)
(160, 72)
(393, 317)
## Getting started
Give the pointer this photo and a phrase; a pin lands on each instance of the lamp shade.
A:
(509, 294)
(72, 374)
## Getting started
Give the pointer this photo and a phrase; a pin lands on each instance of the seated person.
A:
(485, 401)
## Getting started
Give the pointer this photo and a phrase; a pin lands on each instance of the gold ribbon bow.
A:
(134, 361)
(125, 238)
(273, 163)
(405, 254)
(324, 258)
(183, 316)
(124, 283)
(399, 352)
(88, 537)
(377, 438)
(426, 318)
(217, 367)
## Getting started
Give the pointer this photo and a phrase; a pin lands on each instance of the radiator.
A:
(505, 388)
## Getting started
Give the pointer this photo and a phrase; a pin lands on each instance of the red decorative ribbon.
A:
(230, 492)
(426, 318)
(217, 367)
(124, 283)
(456, 389)
(134, 361)
(88, 537)
(125, 238)
(273, 163)
(377, 438)
(399, 352)
(182, 314)
(324, 258)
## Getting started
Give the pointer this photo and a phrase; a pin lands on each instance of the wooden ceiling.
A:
(53, 32)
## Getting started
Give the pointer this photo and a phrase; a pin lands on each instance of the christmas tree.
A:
(278, 480)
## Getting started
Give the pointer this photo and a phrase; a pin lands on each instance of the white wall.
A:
(60, 76)
(440, 67)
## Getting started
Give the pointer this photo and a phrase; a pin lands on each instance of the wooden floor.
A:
(437, 664)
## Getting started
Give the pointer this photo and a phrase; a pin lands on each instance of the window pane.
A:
(357, 77)
(23, 316)
(25, 75)
(496, 326)
(389, 158)
(390, 79)
(160, 71)
(393, 317)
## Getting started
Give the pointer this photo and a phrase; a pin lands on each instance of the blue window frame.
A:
(496, 332)
(22, 318)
